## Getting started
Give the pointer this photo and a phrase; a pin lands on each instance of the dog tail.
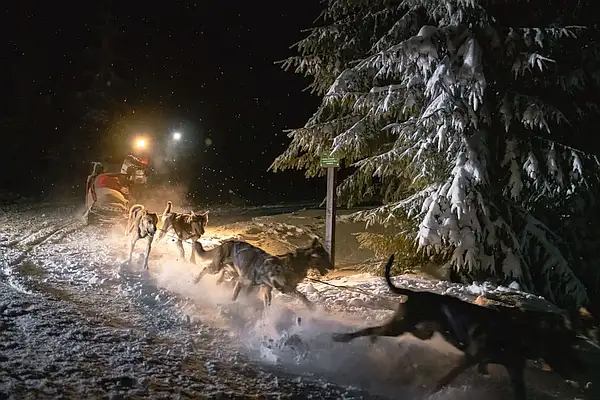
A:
(167, 209)
(388, 279)
(134, 208)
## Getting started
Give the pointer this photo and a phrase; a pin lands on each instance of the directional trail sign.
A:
(329, 162)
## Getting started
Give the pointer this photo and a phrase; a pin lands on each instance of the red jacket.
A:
(109, 181)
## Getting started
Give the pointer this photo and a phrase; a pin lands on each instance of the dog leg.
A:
(200, 275)
(236, 290)
(516, 372)
(267, 295)
(127, 228)
(148, 248)
(134, 239)
(221, 277)
(180, 248)
(303, 299)
(193, 255)
(392, 328)
(465, 364)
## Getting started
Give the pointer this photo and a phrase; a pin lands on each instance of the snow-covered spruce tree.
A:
(467, 120)
(327, 52)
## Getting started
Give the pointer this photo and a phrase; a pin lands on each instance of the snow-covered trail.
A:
(75, 319)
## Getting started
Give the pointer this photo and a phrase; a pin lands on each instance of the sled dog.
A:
(508, 336)
(186, 226)
(253, 266)
(143, 225)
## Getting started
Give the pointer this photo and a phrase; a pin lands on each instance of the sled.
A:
(107, 196)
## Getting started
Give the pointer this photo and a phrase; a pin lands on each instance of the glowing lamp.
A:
(141, 143)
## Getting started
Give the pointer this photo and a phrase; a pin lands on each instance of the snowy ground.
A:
(78, 321)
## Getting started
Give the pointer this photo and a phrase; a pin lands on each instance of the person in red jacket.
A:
(134, 170)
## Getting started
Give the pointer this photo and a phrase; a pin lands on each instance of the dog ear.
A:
(315, 243)
(204, 216)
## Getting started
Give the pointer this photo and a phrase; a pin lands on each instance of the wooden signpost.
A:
(331, 163)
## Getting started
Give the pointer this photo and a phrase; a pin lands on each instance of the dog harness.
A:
(236, 259)
(237, 251)
(236, 256)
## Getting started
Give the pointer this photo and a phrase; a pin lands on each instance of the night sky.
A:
(203, 68)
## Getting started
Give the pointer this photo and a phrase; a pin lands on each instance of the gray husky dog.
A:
(144, 223)
(186, 226)
(252, 266)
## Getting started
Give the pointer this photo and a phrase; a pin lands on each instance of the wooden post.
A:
(330, 213)
(332, 164)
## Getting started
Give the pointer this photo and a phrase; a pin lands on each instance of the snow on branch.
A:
(310, 141)
(540, 37)
(383, 164)
(540, 242)
(344, 83)
(530, 111)
(337, 9)
(515, 181)
(404, 27)
(543, 168)
(528, 61)
(353, 143)
(380, 100)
